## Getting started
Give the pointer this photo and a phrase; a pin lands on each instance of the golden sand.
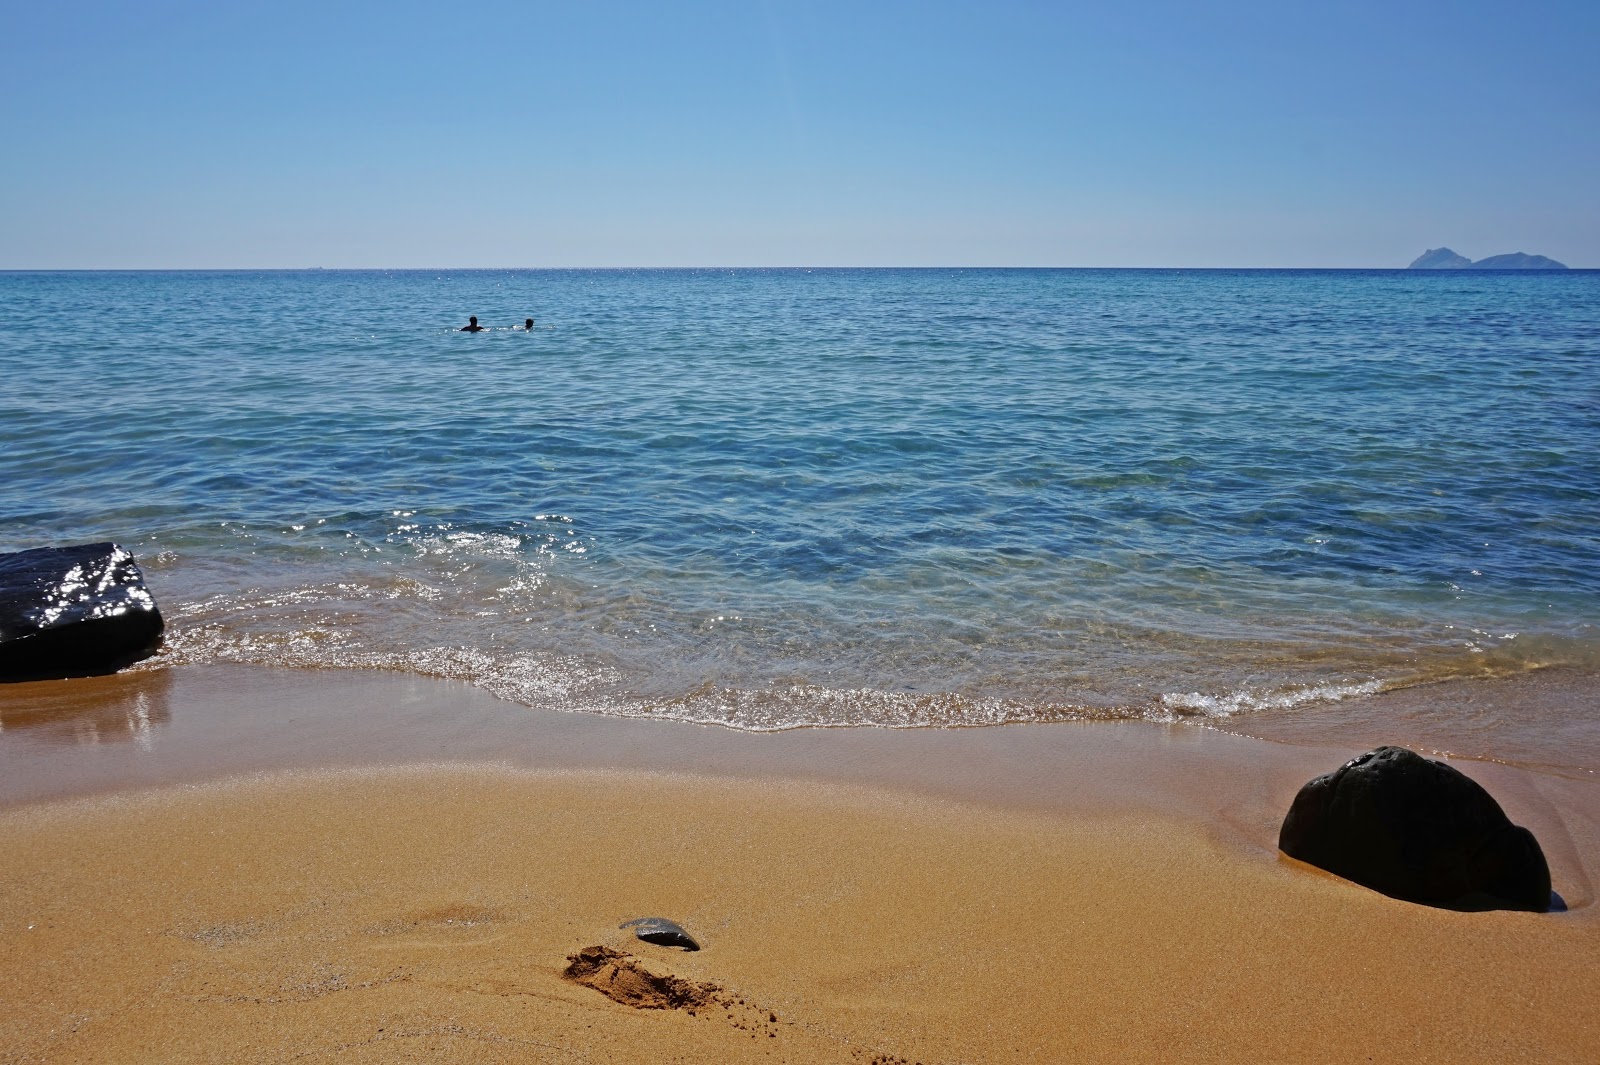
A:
(429, 915)
(430, 912)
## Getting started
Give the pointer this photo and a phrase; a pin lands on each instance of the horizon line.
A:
(487, 269)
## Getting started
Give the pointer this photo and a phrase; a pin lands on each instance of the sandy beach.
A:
(202, 870)
(806, 533)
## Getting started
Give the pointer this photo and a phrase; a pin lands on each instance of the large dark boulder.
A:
(1418, 830)
(74, 612)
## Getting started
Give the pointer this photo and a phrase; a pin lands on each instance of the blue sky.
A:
(1232, 133)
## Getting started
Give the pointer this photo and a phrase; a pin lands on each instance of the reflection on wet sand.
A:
(1547, 721)
(114, 709)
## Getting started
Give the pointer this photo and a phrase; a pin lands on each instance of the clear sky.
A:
(169, 133)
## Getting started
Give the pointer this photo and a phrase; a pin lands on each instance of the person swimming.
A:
(472, 325)
(528, 325)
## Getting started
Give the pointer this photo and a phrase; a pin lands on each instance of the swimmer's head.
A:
(528, 325)
(472, 319)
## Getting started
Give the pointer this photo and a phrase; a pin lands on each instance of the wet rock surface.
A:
(74, 612)
(1416, 829)
(661, 932)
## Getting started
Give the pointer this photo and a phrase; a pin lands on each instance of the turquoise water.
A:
(771, 498)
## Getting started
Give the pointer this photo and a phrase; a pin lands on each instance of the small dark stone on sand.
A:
(661, 932)
(1416, 829)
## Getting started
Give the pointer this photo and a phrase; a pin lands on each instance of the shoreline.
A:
(242, 863)
(189, 725)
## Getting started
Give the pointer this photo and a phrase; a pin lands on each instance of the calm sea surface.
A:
(769, 498)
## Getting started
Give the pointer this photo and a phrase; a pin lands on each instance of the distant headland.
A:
(1445, 259)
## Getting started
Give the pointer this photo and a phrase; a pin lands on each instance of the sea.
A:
(773, 498)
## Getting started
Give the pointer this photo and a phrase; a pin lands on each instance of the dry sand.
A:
(1082, 893)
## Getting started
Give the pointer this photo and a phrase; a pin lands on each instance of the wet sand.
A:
(240, 864)
(1547, 720)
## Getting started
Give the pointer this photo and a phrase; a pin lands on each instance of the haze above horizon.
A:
(181, 135)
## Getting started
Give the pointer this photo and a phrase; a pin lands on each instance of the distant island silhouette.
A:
(1445, 259)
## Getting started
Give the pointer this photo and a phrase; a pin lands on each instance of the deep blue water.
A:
(775, 497)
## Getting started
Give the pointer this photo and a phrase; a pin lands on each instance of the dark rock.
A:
(74, 612)
(662, 932)
(1440, 259)
(1418, 830)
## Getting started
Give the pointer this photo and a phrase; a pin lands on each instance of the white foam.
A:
(1196, 704)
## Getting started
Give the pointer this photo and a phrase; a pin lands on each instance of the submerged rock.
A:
(74, 612)
(1418, 830)
(662, 932)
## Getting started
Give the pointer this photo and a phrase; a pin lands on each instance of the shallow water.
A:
(775, 498)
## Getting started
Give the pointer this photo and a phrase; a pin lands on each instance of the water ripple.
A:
(767, 498)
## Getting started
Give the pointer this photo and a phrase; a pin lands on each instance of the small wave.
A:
(556, 682)
(811, 706)
(554, 679)
(1179, 705)
(527, 678)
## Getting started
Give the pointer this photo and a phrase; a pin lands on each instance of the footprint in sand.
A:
(227, 934)
(448, 925)
(623, 978)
